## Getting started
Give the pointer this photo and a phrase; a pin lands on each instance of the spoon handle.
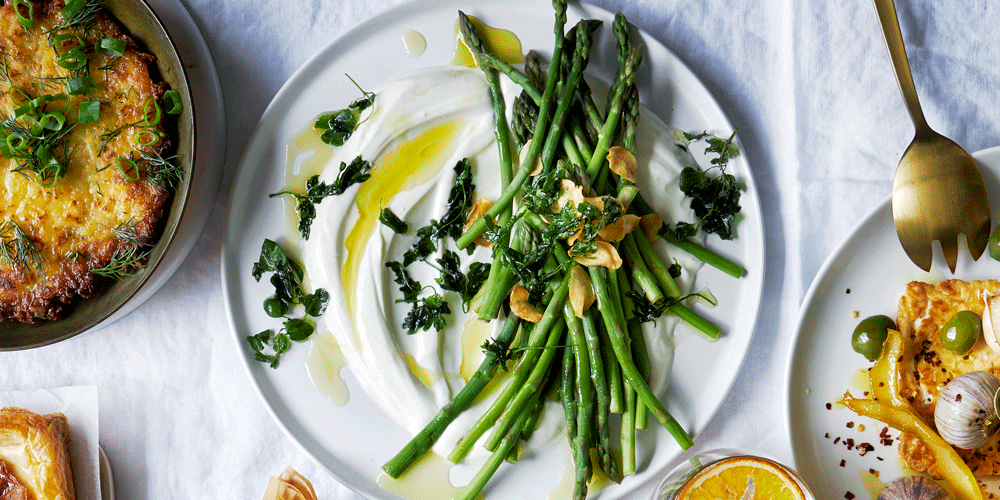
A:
(886, 11)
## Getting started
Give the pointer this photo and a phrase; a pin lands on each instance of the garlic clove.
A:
(913, 488)
(965, 413)
(991, 320)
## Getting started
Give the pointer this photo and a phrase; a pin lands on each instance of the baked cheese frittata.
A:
(84, 168)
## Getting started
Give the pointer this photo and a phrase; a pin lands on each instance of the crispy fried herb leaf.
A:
(478, 272)
(338, 126)
(392, 221)
(287, 277)
(316, 302)
(644, 309)
(409, 286)
(287, 282)
(423, 247)
(459, 199)
(298, 329)
(452, 277)
(427, 312)
(714, 199)
(358, 171)
(503, 352)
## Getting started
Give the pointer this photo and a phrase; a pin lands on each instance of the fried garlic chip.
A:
(617, 231)
(521, 308)
(622, 162)
(581, 290)
(605, 255)
(651, 224)
(478, 209)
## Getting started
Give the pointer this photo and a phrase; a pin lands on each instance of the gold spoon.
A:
(938, 192)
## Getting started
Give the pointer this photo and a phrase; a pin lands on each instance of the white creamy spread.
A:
(421, 124)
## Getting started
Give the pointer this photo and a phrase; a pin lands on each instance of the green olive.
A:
(994, 244)
(870, 334)
(275, 307)
(961, 332)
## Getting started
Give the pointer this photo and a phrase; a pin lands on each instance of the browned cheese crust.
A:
(73, 223)
(927, 366)
(34, 456)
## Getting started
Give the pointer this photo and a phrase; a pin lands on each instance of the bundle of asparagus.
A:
(569, 244)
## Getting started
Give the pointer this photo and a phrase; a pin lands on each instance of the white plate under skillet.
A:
(867, 274)
(353, 441)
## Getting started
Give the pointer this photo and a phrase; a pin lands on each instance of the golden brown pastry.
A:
(927, 366)
(34, 456)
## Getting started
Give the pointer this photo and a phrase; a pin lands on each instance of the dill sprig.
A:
(162, 173)
(130, 255)
(17, 249)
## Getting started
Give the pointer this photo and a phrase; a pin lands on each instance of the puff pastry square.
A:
(34, 456)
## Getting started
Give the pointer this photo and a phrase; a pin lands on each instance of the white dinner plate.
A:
(353, 441)
(867, 274)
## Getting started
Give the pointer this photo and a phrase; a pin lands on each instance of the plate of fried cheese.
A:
(894, 370)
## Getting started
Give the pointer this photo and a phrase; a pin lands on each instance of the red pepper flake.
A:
(849, 496)
(848, 290)
(835, 441)
(829, 406)
(843, 463)
(850, 425)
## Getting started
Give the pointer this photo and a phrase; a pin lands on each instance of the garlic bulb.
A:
(991, 320)
(913, 488)
(965, 413)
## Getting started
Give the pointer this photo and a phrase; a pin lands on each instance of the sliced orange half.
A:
(729, 479)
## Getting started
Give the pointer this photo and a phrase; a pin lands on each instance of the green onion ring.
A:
(16, 142)
(142, 134)
(59, 42)
(27, 22)
(145, 113)
(53, 120)
(173, 100)
(72, 59)
(111, 47)
(134, 168)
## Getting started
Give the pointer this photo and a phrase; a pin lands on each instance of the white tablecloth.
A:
(821, 121)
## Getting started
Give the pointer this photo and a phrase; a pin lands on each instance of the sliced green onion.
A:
(81, 85)
(72, 8)
(172, 99)
(35, 127)
(89, 111)
(59, 41)
(28, 21)
(72, 59)
(147, 136)
(111, 47)
(133, 168)
(51, 169)
(15, 142)
(157, 114)
(53, 120)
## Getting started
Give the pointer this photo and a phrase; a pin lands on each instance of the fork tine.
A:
(979, 236)
(950, 248)
(920, 252)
